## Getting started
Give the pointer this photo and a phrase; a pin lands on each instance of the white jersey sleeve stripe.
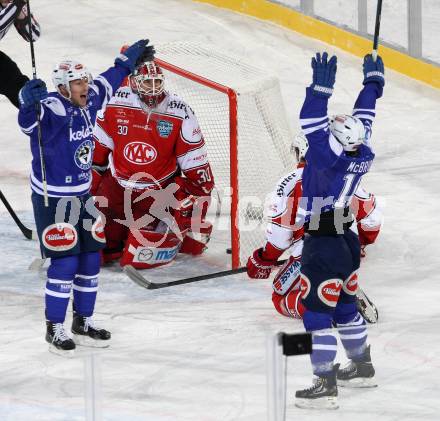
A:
(307, 121)
(193, 159)
(102, 137)
(314, 128)
(58, 189)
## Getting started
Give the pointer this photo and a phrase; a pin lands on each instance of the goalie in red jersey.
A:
(152, 176)
(282, 234)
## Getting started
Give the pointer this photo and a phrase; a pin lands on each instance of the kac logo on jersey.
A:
(83, 155)
(140, 153)
(164, 128)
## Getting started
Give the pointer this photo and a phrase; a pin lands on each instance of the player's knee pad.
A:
(345, 313)
(63, 268)
(149, 249)
(314, 320)
(89, 263)
(195, 242)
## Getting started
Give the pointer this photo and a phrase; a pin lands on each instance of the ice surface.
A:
(197, 352)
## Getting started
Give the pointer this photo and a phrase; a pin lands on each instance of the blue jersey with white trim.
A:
(66, 133)
(331, 175)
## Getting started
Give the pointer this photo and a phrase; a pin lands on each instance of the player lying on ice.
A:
(152, 177)
(69, 229)
(282, 234)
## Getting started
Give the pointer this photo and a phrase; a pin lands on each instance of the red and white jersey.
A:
(368, 216)
(146, 150)
(281, 232)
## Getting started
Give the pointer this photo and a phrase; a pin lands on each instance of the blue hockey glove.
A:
(32, 92)
(131, 56)
(373, 70)
(324, 75)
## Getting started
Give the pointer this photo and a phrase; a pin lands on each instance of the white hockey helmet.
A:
(152, 92)
(299, 146)
(66, 71)
(348, 130)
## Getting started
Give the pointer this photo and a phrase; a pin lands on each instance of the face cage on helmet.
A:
(299, 147)
(151, 96)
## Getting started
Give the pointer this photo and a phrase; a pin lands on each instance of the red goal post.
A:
(233, 148)
(242, 118)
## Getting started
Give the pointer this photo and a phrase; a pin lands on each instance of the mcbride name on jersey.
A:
(158, 143)
(332, 175)
(282, 233)
(67, 136)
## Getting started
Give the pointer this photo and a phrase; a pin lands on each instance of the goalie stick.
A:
(364, 305)
(27, 232)
(139, 279)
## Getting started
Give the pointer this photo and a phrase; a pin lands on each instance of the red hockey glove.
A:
(257, 268)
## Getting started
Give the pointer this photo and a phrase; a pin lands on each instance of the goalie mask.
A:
(67, 71)
(300, 145)
(349, 131)
(148, 82)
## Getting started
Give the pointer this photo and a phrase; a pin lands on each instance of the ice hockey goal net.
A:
(242, 117)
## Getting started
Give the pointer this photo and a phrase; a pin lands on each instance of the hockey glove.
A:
(32, 93)
(373, 70)
(131, 56)
(257, 268)
(324, 75)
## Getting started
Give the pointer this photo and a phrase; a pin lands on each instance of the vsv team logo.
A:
(83, 155)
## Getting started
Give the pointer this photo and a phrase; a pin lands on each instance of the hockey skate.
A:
(60, 343)
(85, 332)
(322, 395)
(359, 373)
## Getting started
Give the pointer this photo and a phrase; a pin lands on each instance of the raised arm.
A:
(106, 84)
(21, 24)
(8, 13)
(374, 81)
(313, 116)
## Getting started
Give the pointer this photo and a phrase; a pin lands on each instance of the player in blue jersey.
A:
(69, 228)
(339, 155)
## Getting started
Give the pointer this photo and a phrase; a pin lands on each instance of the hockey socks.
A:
(85, 284)
(60, 275)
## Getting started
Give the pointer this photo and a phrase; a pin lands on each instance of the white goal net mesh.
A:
(263, 133)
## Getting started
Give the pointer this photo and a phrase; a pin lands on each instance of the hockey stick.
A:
(364, 305)
(376, 29)
(38, 109)
(27, 232)
(139, 279)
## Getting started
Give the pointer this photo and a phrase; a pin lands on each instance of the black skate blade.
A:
(327, 402)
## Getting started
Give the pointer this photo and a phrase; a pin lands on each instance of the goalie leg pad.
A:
(150, 249)
(288, 277)
(195, 243)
